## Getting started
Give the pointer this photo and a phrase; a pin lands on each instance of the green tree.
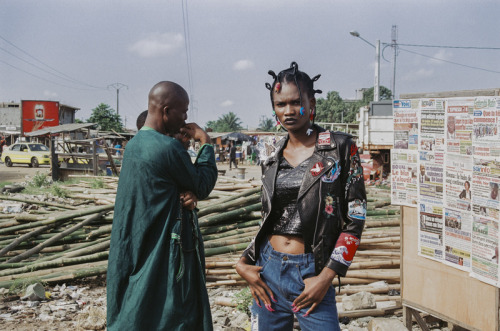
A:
(266, 124)
(106, 117)
(384, 94)
(226, 123)
(330, 109)
(334, 109)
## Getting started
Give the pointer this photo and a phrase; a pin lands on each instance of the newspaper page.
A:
(485, 250)
(457, 239)
(459, 125)
(405, 114)
(485, 184)
(485, 119)
(458, 182)
(432, 117)
(404, 177)
(486, 135)
(430, 232)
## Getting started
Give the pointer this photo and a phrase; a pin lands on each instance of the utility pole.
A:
(117, 86)
(394, 45)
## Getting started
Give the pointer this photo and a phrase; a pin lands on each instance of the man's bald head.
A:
(167, 107)
(165, 93)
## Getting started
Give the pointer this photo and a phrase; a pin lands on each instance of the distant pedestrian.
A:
(232, 156)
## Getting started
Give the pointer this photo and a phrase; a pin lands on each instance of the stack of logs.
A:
(61, 242)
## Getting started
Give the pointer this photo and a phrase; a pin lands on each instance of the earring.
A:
(278, 125)
(311, 116)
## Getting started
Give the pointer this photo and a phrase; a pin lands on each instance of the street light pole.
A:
(394, 44)
(376, 88)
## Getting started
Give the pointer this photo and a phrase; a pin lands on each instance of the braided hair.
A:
(293, 75)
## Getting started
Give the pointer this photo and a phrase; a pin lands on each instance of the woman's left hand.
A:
(189, 200)
(314, 291)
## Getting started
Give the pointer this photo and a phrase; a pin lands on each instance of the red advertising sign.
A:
(39, 114)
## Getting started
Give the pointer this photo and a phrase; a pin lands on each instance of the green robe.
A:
(156, 265)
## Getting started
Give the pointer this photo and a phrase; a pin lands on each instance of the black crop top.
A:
(286, 218)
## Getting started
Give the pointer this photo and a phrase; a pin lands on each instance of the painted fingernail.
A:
(258, 304)
(268, 307)
(296, 309)
(305, 315)
(272, 298)
(293, 304)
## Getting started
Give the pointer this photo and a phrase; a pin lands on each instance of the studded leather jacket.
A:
(331, 202)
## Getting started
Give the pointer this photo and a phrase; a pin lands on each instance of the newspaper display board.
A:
(404, 186)
(454, 146)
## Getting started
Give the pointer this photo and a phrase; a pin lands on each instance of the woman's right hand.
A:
(259, 289)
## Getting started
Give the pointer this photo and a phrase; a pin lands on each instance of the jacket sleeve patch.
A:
(345, 249)
(357, 209)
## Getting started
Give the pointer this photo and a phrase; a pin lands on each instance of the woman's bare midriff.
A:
(287, 244)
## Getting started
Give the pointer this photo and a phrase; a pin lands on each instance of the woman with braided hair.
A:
(313, 210)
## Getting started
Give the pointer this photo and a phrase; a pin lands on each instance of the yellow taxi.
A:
(32, 154)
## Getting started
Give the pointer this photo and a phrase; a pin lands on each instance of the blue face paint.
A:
(301, 111)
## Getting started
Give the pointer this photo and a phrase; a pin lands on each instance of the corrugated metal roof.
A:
(60, 128)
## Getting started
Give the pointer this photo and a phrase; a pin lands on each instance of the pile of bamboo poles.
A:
(59, 242)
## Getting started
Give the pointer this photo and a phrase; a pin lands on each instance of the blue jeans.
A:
(285, 274)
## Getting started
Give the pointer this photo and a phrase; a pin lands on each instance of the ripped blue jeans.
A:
(285, 274)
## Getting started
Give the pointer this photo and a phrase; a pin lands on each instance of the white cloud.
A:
(157, 44)
(442, 54)
(243, 65)
(49, 94)
(227, 103)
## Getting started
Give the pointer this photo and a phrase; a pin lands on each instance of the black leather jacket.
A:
(331, 202)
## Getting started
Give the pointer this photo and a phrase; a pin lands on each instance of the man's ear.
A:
(165, 110)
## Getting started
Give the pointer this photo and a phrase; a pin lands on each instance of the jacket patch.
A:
(357, 209)
(345, 249)
(329, 206)
(333, 175)
(317, 169)
(324, 138)
(354, 149)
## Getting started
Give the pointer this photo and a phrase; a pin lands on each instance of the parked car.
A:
(32, 154)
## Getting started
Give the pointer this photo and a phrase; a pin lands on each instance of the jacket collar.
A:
(324, 142)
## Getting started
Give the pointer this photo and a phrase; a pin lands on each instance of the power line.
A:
(44, 79)
(451, 62)
(461, 47)
(48, 66)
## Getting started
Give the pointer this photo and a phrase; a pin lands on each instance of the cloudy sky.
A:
(73, 51)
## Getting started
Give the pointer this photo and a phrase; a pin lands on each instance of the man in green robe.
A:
(156, 265)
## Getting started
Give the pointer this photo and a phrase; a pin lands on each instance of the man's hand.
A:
(189, 200)
(315, 290)
(260, 291)
(193, 130)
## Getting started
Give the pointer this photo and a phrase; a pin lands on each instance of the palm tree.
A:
(266, 124)
(229, 123)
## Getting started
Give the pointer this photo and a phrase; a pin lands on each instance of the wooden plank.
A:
(443, 291)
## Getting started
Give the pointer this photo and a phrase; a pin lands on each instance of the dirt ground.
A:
(18, 172)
